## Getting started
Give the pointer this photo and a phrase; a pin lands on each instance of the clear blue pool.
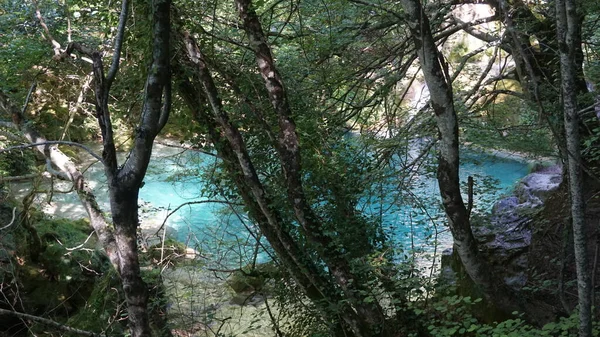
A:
(410, 220)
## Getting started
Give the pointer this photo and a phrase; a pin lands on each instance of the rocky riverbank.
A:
(507, 234)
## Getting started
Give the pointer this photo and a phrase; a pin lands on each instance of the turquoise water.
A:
(410, 211)
(411, 219)
(415, 217)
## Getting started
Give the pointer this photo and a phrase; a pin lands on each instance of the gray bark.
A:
(568, 27)
(69, 170)
(439, 84)
(232, 149)
(125, 181)
(370, 314)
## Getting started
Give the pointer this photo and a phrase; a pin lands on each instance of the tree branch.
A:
(198, 202)
(49, 142)
(50, 323)
(157, 105)
(114, 67)
(48, 36)
(65, 165)
(19, 178)
(477, 33)
(12, 220)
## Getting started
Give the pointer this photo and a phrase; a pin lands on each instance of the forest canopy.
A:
(311, 124)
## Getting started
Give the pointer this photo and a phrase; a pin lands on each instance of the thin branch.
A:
(462, 26)
(48, 36)
(50, 142)
(50, 323)
(373, 5)
(508, 92)
(12, 220)
(465, 59)
(194, 203)
(73, 108)
(187, 148)
(477, 33)
(81, 245)
(19, 178)
(114, 67)
(28, 98)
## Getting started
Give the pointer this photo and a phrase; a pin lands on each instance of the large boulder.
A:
(535, 188)
(506, 237)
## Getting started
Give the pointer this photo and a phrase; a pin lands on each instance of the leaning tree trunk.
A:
(568, 26)
(232, 149)
(439, 84)
(370, 314)
(66, 170)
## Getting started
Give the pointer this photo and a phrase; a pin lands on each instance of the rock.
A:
(247, 298)
(191, 253)
(448, 273)
(241, 282)
(505, 239)
(508, 237)
(535, 187)
(250, 280)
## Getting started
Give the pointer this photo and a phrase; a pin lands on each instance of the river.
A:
(412, 220)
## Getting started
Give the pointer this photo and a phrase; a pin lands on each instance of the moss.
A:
(252, 279)
(171, 250)
(61, 280)
(72, 232)
(99, 312)
(16, 163)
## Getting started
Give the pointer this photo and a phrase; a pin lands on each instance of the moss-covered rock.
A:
(100, 313)
(59, 282)
(171, 250)
(250, 279)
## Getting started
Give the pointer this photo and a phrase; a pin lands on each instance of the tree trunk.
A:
(70, 172)
(439, 84)
(370, 313)
(568, 27)
(232, 150)
(125, 181)
(125, 217)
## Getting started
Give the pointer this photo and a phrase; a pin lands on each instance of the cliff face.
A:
(515, 242)
(508, 238)
(552, 273)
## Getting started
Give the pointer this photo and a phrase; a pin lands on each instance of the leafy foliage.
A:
(348, 71)
(452, 316)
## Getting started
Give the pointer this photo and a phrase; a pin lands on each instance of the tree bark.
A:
(125, 181)
(69, 171)
(232, 149)
(438, 82)
(568, 26)
(288, 148)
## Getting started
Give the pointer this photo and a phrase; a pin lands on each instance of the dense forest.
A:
(307, 126)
